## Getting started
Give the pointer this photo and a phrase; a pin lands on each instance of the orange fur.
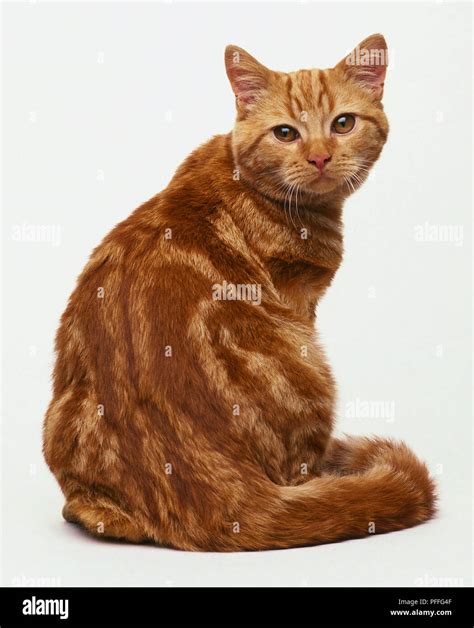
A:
(205, 423)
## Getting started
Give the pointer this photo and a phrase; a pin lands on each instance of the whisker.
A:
(291, 198)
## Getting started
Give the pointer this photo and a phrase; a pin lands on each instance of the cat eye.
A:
(343, 124)
(285, 133)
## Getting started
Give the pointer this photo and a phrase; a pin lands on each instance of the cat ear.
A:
(367, 64)
(248, 78)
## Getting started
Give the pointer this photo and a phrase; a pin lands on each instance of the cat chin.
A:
(322, 186)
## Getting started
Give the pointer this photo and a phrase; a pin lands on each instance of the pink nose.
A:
(319, 160)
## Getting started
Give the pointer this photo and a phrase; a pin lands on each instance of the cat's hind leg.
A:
(101, 517)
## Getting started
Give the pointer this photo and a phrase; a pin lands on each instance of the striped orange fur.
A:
(193, 405)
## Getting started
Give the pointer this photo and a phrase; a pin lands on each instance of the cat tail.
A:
(368, 486)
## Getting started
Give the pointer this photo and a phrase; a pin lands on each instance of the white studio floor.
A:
(49, 551)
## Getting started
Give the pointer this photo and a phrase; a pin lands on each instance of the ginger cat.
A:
(193, 406)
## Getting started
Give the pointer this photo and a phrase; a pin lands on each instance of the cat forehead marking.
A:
(309, 92)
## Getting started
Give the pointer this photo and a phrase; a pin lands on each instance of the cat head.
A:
(314, 132)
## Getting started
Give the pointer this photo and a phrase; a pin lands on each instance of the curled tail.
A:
(368, 486)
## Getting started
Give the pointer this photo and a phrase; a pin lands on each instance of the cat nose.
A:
(319, 160)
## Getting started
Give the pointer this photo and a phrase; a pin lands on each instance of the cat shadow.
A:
(78, 532)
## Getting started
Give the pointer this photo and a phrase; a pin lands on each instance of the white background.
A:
(101, 102)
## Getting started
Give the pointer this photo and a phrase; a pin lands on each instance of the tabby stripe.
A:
(299, 106)
(289, 87)
(245, 153)
(376, 123)
(322, 88)
(307, 85)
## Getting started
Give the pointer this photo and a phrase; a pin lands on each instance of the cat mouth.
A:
(320, 182)
(322, 176)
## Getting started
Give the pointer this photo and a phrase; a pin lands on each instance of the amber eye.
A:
(343, 124)
(285, 133)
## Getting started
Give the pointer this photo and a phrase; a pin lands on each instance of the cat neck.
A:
(309, 231)
(301, 247)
